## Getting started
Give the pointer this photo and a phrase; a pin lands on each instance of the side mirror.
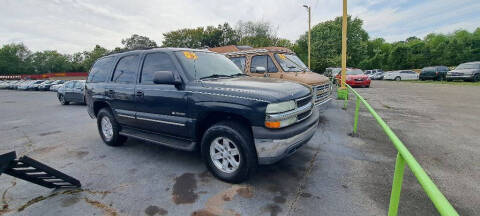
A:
(166, 77)
(260, 70)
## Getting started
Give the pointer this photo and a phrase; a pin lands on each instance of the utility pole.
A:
(342, 92)
(309, 33)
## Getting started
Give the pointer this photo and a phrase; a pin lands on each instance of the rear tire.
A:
(62, 100)
(229, 143)
(109, 128)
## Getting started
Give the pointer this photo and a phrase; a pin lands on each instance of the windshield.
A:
(468, 66)
(205, 64)
(354, 72)
(290, 62)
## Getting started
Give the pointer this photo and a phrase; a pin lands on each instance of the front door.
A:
(266, 62)
(121, 90)
(160, 108)
(68, 90)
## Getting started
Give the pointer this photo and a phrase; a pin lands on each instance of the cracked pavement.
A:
(334, 174)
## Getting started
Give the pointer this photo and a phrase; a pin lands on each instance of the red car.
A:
(355, 78)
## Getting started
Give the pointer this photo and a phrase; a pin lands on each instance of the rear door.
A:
(121, 91)
(160, 108)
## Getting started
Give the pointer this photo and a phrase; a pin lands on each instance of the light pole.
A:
(342, 92)
(309, 30)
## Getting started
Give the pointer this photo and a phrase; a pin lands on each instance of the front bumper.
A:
(358, 83)
(273, 145)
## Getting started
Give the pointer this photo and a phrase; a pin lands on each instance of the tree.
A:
(14, 59)
(201, 37)
(327, 44)
(259, 34)
(92, 56)
(138, 42)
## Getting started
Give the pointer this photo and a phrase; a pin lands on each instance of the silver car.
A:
(467, 71)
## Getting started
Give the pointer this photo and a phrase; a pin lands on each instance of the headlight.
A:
(281, 123)
(280, 107)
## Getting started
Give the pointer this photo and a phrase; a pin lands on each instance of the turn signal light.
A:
(272, 124)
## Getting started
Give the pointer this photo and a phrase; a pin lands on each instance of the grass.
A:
(445, 82)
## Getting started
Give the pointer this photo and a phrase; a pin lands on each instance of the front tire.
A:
(109, 128)
(229, 152)
(62, 100)
(476, 78)
(398, 78)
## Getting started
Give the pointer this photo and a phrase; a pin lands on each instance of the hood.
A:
(258, 88)
(309, 78)
(357, 76)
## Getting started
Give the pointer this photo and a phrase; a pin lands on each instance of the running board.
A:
(169, 141)
(33, 171)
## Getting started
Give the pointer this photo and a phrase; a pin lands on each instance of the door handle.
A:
(139, 93)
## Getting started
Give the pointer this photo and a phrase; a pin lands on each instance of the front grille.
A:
(303, 115)
(304, 101)
(321, 92)
(358, 79)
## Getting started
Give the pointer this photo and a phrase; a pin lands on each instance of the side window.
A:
(155, 62)
(125, 71)
(100, 70)
(263, 61)
(240, 62)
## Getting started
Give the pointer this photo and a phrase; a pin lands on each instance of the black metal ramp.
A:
(33, 171)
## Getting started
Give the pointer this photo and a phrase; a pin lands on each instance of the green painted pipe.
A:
(396, 186)
(441, 203)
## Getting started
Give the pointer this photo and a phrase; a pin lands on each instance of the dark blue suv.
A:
(188, 99)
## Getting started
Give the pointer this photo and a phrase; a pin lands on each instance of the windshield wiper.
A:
(215, 76)
(237, 74)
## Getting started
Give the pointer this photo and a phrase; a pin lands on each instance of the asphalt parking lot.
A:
(334, 174)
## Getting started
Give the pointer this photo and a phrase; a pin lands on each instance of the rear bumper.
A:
(273, 145)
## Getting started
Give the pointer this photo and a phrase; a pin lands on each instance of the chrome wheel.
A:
(107, 129)
(224, 154)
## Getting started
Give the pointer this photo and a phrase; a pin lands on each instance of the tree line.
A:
(362, 51)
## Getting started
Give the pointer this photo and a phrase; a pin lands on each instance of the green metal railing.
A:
(403, 156)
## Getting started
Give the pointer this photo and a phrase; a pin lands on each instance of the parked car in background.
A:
(45, 86)
(25, 85)
(370, 73)
(401, 75)
(433, 73)
(469, 71)
(56, 87)
(377, 76)
(355, 78)
(72, 91)
(281, 63)
(331, 72)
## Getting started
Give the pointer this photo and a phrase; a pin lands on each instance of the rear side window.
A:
(155, 62)
(263, 61)
(240, 62)
(100, 70)
(80, 85)
(125, 71)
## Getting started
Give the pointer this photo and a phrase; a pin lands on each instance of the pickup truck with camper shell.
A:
(279, 62)
(196, 99)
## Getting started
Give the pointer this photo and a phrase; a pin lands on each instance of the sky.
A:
(76, 25)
